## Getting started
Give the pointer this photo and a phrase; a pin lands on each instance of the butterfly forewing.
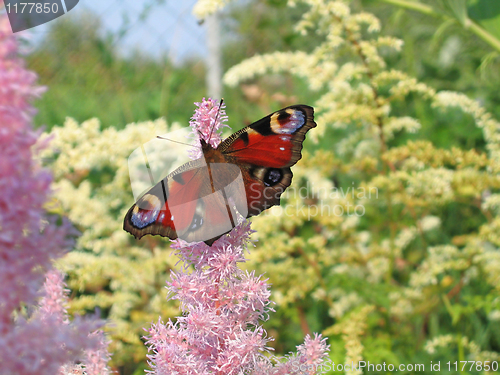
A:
(274, 141)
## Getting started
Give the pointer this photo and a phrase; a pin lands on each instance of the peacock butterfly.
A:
(246, 174)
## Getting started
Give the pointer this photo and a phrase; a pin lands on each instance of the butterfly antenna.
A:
(171, 140)
(216, 118)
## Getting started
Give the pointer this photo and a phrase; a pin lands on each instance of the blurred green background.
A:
(90, 73)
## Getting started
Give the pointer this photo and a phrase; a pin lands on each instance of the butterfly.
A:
(243, 176)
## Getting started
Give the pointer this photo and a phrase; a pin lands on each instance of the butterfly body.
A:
(244, 175)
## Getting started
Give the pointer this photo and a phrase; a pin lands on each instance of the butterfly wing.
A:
(265, 151)
(152, 213)
(191, 203)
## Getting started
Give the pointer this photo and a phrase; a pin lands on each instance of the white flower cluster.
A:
(440, 260)
(405, 302)
(344, 303)
(92, 186)
(438, 342)
(445, 341)
(419, 183)
(397, 124)
(405, 237)
(492, 202)
(491, 127)
(272, 63)
(431, 184)
(428, 223)
(494, 315)
(205, 8)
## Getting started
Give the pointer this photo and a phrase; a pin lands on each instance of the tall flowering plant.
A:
(219, 332)
(34, 337)
(405, 260)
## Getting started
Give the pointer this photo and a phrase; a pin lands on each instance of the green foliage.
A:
(447, 56)
(87, 78)
(402, 267)
(480, 17)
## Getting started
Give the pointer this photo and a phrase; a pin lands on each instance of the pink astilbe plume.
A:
(53, 303)
(94, 361)
(52, 309)
(207, 123)
(25, 250)
(219, 332)
(31, 341)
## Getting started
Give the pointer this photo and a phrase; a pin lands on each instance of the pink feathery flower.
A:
(207, 123)
(53, 307)
(26, 247)
(219, 332)
(313, 349)
(47, 342)
(96, 360)
(31, 342)
(53, 303)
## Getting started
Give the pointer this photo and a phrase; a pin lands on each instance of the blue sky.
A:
(168, 28)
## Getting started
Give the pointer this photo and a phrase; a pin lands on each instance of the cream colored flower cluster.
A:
(205, 8)
(92, 186)
(398, 239)
(484, 120)
(464, 344)
(352, 329)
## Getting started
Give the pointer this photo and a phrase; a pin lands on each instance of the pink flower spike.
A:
(97, 360)
(219, 331)
(39, 341)
(207, 122)
(54, 301)
(314, 349)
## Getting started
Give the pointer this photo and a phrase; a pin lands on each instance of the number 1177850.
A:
(32, 8)
(472, 365)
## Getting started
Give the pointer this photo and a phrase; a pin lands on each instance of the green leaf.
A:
(440, 32)
(487, 14)
(486, 61)
(459, 10)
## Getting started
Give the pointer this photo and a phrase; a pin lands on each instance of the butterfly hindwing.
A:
(265, 151)
(158, 212)
(264, 187)
(191, 203)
